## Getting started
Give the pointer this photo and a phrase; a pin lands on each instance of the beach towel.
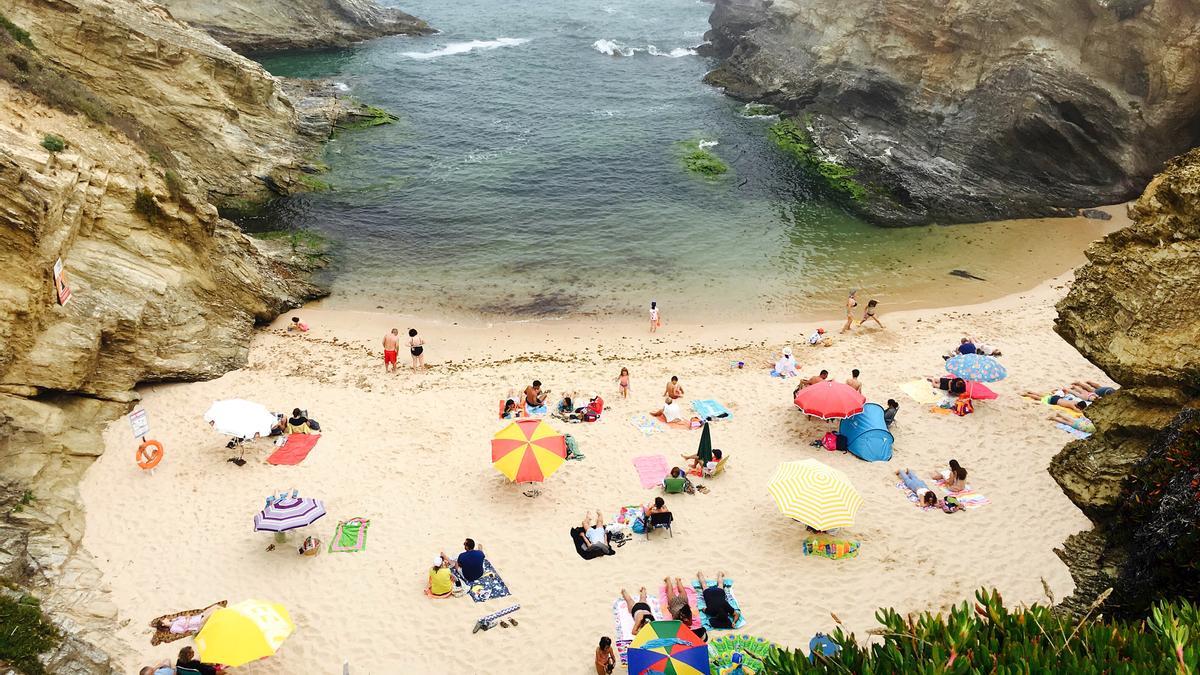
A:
(350, 536)
(486, 587)
(938, 410)
(1073, 431)
(646, 425)
(709, 409)
(686, 425)
(912, 497)
(732, 601)
(164, 635)
(652, 469)
(492, 618)
(624, 624)
(584, 552)
(538, 410)
(921, 391)
(294, 449)
(691, 596)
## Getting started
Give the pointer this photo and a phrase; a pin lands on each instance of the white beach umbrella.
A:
(243, 419)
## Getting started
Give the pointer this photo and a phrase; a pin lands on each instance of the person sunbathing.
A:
(595, 537)
(926, 496)
(1095, 388)
(1059, 398)
(186, 624)
(720, 613)
(677, 599)
(815, 379)
(1077, 423)
(640, 610)
(160, 668)
(686, 618)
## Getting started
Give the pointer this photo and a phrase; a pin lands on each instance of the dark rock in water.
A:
(1095, 214)
(971, 110)
(966, 275)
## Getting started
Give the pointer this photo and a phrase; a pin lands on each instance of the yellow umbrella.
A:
(528, 450)
(245, 632)
(814, 494)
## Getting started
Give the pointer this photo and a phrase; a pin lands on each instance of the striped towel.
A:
(1073, 431)
(624, 624)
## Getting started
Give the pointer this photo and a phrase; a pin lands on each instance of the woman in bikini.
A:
(851, 303)
(869, 313)
(640, 610)
(416, 347)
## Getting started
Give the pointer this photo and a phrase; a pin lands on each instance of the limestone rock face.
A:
(216, 115)
(960, 110)
(1132, 311)
(250, 26)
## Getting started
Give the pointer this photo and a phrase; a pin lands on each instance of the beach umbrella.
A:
(528, 450)
(814, 494)
(243, 632)
(979, 391)
(704, 452)
(239, 418)
(667, 647)
(289, 513)
(830, 400)
(976, 368)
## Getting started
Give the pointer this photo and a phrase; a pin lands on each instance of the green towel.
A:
(350, 537)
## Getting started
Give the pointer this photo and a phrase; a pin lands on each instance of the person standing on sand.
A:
(869, 313)
(854, 382)
(391, 347)
(416, 347)
(655, 322)
(673, 391)
(623, 382)
(851, 303)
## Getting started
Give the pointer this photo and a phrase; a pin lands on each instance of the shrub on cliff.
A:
(26, 633)
(793, 138)
(16, 32)
(989, 638)
(53, 143)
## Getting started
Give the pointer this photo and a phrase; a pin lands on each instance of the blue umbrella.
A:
(976, 368)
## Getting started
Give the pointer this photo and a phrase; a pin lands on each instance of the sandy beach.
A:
(410, 452)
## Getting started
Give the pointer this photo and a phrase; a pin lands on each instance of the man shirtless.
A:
(673, 391)
(535, 398)
(854, 381)
(391, 346)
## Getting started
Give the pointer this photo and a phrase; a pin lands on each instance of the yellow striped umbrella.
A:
(814, 494)
(528, 450)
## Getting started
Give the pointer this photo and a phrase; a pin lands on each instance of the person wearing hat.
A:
(816, 337)
(786, 365)
(441, 581)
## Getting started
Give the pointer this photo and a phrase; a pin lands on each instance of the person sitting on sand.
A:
(606, 660)
(889, 413)
(187, 659)
(535, 398)
(640, 610)
(720, 613)
(919, 488)
(441, 581)
(160, 668)
(297, 326)
(786, 365)
(670, 411)
(854, 382)
(1077, 423)
(945, 474)
(298, 422)
(816, 379)
(511, 411)
(566, 405)
(817, 336)
(674, 389)
(955, 480)
(965, 346)
(470, 561)
(595, 536)
(1059, 398)
(595, 406)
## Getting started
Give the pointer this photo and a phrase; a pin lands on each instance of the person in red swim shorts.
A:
(391, 346)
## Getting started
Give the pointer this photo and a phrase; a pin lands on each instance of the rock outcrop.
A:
(255, 26)
(1132, 311)
(963, 110)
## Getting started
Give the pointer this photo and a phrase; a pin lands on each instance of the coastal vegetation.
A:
(16, 32)
(145, 204)
(792, 136)
(53, 143)
(26, 633)
(313, 183)
(701, 161)
(367, 116)
(759, 110)
(301, 240)
(989, 638)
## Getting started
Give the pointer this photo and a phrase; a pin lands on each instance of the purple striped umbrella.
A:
(288, 514)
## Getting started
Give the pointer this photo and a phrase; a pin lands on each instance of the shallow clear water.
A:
(533, 174)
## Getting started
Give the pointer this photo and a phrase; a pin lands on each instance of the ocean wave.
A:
(708, 144)
(464, 47)
(674, 53)
(613, 48)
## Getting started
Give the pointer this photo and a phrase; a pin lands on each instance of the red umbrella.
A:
(979, 392)
(830, 400)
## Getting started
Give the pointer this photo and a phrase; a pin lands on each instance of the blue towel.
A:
(1072, 430)
(539, 410)
(710, 409)
(732, 601)
(490, 585)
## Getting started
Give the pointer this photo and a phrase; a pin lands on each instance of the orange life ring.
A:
(149, 460)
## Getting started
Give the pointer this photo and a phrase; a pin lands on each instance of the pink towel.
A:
(652, 469)
(691, 596)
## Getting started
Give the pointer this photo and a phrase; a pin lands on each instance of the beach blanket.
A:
(486, 587)
(912, 497)
(1072, 430)
(691, 596)
(645, 424)
(921, 391)
(686, 425)
(754, 651)
(294, 449)
(163, 635)
(971, 500)
(624, 624)
(710, 409)
(537, 410)
(652, 469)
(350, 536)
(732, 601)
(492, 618)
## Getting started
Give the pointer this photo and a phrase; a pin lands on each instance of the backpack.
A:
(830, 441)
(590, 416)
(963, 407)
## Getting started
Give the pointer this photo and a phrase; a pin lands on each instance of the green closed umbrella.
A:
(705, 451)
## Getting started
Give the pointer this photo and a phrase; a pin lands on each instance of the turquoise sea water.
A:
(536, 171)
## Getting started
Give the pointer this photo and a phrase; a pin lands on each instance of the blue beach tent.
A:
(867, 435)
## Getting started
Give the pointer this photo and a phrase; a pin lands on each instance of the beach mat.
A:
(732, 601)
(921, 391)
(652, 469)
(686, 425)
(350, 536)
(623, 624)
(1072, 430)
(645, 424)
(710, 409)
(165, 636)
(914, 499)
(488, 586)
(691, 596)
(294, 449)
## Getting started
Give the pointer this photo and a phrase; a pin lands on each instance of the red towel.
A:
(294, 449)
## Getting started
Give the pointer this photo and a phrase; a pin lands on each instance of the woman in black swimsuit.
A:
(416, 347)
(640, 610)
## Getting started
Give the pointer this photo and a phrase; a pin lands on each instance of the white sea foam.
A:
(464, 47)
(613, 48)
(674, 53)
(341, 86)
(708, 144)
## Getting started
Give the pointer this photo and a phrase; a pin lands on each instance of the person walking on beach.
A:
(391, 347)
(416, 347)
(869, 313)
(673, 391)
(851, 303)
(655, 321)
(623, 382)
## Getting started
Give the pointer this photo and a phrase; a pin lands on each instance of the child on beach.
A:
(297, 326)
(869, 313)
(606, 660)
(623, 382)
(655, 322)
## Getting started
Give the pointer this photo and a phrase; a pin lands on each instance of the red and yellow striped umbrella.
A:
(528, 450)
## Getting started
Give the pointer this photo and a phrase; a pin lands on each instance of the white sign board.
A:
(140, 421)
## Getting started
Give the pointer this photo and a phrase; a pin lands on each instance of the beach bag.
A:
(590, 416)
(950, 505)
(310, 547)
(638, 526)
(963, 407)
(830, 441)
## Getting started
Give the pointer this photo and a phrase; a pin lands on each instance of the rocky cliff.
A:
(250, 26)
(958, 110)
(118, 124)
(1132, 311)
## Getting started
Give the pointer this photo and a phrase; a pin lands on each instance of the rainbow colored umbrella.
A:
(830, 400)
(667, 647)
(528, 450)
(976, 368)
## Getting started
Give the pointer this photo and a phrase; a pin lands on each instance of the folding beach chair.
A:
(660, 520)
(674, 486)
